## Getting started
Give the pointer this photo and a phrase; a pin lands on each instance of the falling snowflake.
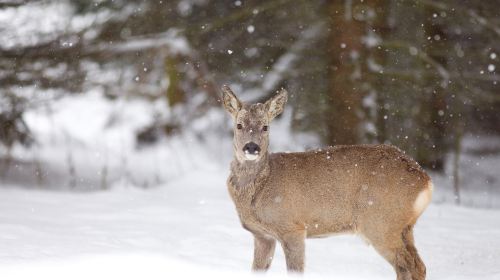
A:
(413, 51)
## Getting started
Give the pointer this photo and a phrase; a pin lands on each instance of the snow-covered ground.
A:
(188, 228)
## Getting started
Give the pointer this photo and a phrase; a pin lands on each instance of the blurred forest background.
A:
(129, 90)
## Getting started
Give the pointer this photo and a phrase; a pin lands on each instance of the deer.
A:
(374, 191)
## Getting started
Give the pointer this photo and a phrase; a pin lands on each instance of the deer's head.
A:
(251, 123)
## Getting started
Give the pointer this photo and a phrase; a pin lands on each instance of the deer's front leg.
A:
(263, 252)
(293, 244)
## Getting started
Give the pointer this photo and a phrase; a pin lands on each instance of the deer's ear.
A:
(230, 101)
(276, 104)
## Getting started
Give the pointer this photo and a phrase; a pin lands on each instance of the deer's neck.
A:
(248, 174)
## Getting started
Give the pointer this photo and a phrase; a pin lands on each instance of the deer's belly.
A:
(318, 230)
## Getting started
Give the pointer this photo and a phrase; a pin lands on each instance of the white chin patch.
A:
(251, 156)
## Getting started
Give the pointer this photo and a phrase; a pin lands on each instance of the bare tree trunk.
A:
(345, 91)
(38, 171)
(104, 177)
(432, 146)
(174, 93)
(6, 162)
(456, 164)
(72, 170)
(351, 21)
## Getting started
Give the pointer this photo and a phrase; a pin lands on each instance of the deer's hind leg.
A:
(263, 252)
(399, 250)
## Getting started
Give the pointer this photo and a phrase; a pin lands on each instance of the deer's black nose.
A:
(251, 148)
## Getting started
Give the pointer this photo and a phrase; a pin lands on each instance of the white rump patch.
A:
(423, 199)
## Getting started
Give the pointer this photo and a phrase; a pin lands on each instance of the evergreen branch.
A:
(442, 71)
(233, 17)
(486, 23)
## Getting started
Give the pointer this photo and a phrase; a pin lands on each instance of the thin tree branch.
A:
(442, 71)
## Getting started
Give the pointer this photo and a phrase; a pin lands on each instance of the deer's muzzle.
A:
(251, 151)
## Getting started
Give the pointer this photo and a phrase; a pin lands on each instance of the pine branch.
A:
(464, 10)
(398, 44)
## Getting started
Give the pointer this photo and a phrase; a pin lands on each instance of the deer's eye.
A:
(265, 128)
(239, 126)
